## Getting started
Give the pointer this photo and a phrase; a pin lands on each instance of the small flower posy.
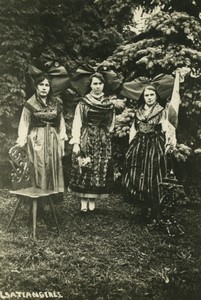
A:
(84, 162)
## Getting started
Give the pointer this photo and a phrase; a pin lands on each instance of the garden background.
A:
(116, 34)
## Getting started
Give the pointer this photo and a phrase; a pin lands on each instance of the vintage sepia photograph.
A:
(100, 149)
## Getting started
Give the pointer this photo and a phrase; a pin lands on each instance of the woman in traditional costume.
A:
(92, 172)
(42, 127)
(151, 135)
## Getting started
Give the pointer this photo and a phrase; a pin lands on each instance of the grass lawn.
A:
(105, 255)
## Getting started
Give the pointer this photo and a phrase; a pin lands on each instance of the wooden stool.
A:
(21, 183)
(33, 195)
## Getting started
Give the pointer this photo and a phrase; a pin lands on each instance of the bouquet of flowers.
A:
(84, 162)
(182, 152)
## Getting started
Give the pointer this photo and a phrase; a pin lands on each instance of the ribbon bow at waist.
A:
(98, 124)
(45, 123)
(146, 127)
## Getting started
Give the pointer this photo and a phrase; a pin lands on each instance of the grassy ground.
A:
(106, 255)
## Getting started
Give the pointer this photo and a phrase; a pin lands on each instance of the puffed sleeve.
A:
(62, 129)
(169, 129)
(77, 125)
(62, 134)
(112, 123)
(132, 132)
(23, 128)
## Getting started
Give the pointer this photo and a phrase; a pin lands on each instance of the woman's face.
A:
(97, 85)
(150, 97)
(43, 88)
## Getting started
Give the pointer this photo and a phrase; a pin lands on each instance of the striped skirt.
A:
(145, 167)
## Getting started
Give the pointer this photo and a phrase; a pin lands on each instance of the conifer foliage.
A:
(169, 40)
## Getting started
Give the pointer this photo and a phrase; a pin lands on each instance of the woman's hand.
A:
(182, 72)
(20, 144)
(169, 148)
(76, 149)
(62, 144)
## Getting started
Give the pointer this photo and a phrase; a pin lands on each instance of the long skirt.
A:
(45, 160)
(95, 178)
(145, 167)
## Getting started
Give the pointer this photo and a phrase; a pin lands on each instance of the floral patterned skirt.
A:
(92, 172)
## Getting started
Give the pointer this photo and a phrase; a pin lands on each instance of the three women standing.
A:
(42, 127)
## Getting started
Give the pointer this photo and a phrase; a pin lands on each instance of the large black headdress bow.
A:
(57, 74)
(163, 84)
(81, 79)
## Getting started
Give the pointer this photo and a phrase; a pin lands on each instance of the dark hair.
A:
(141, 101)
(95, 75)
(39, 79)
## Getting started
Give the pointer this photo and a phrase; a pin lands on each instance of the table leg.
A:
(34, 217)
(14, 213)
(30, 217)
(52, 207)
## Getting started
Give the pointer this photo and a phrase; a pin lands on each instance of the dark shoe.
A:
(142, 218)
(153, 224)
(144, 212)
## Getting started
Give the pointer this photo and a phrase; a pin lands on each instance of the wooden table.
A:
(34, 195)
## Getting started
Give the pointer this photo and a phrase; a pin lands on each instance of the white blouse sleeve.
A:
(77, 125)
(132, 132)
(111, 126)
(23, 127)
(62, 129)
(169, 129)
